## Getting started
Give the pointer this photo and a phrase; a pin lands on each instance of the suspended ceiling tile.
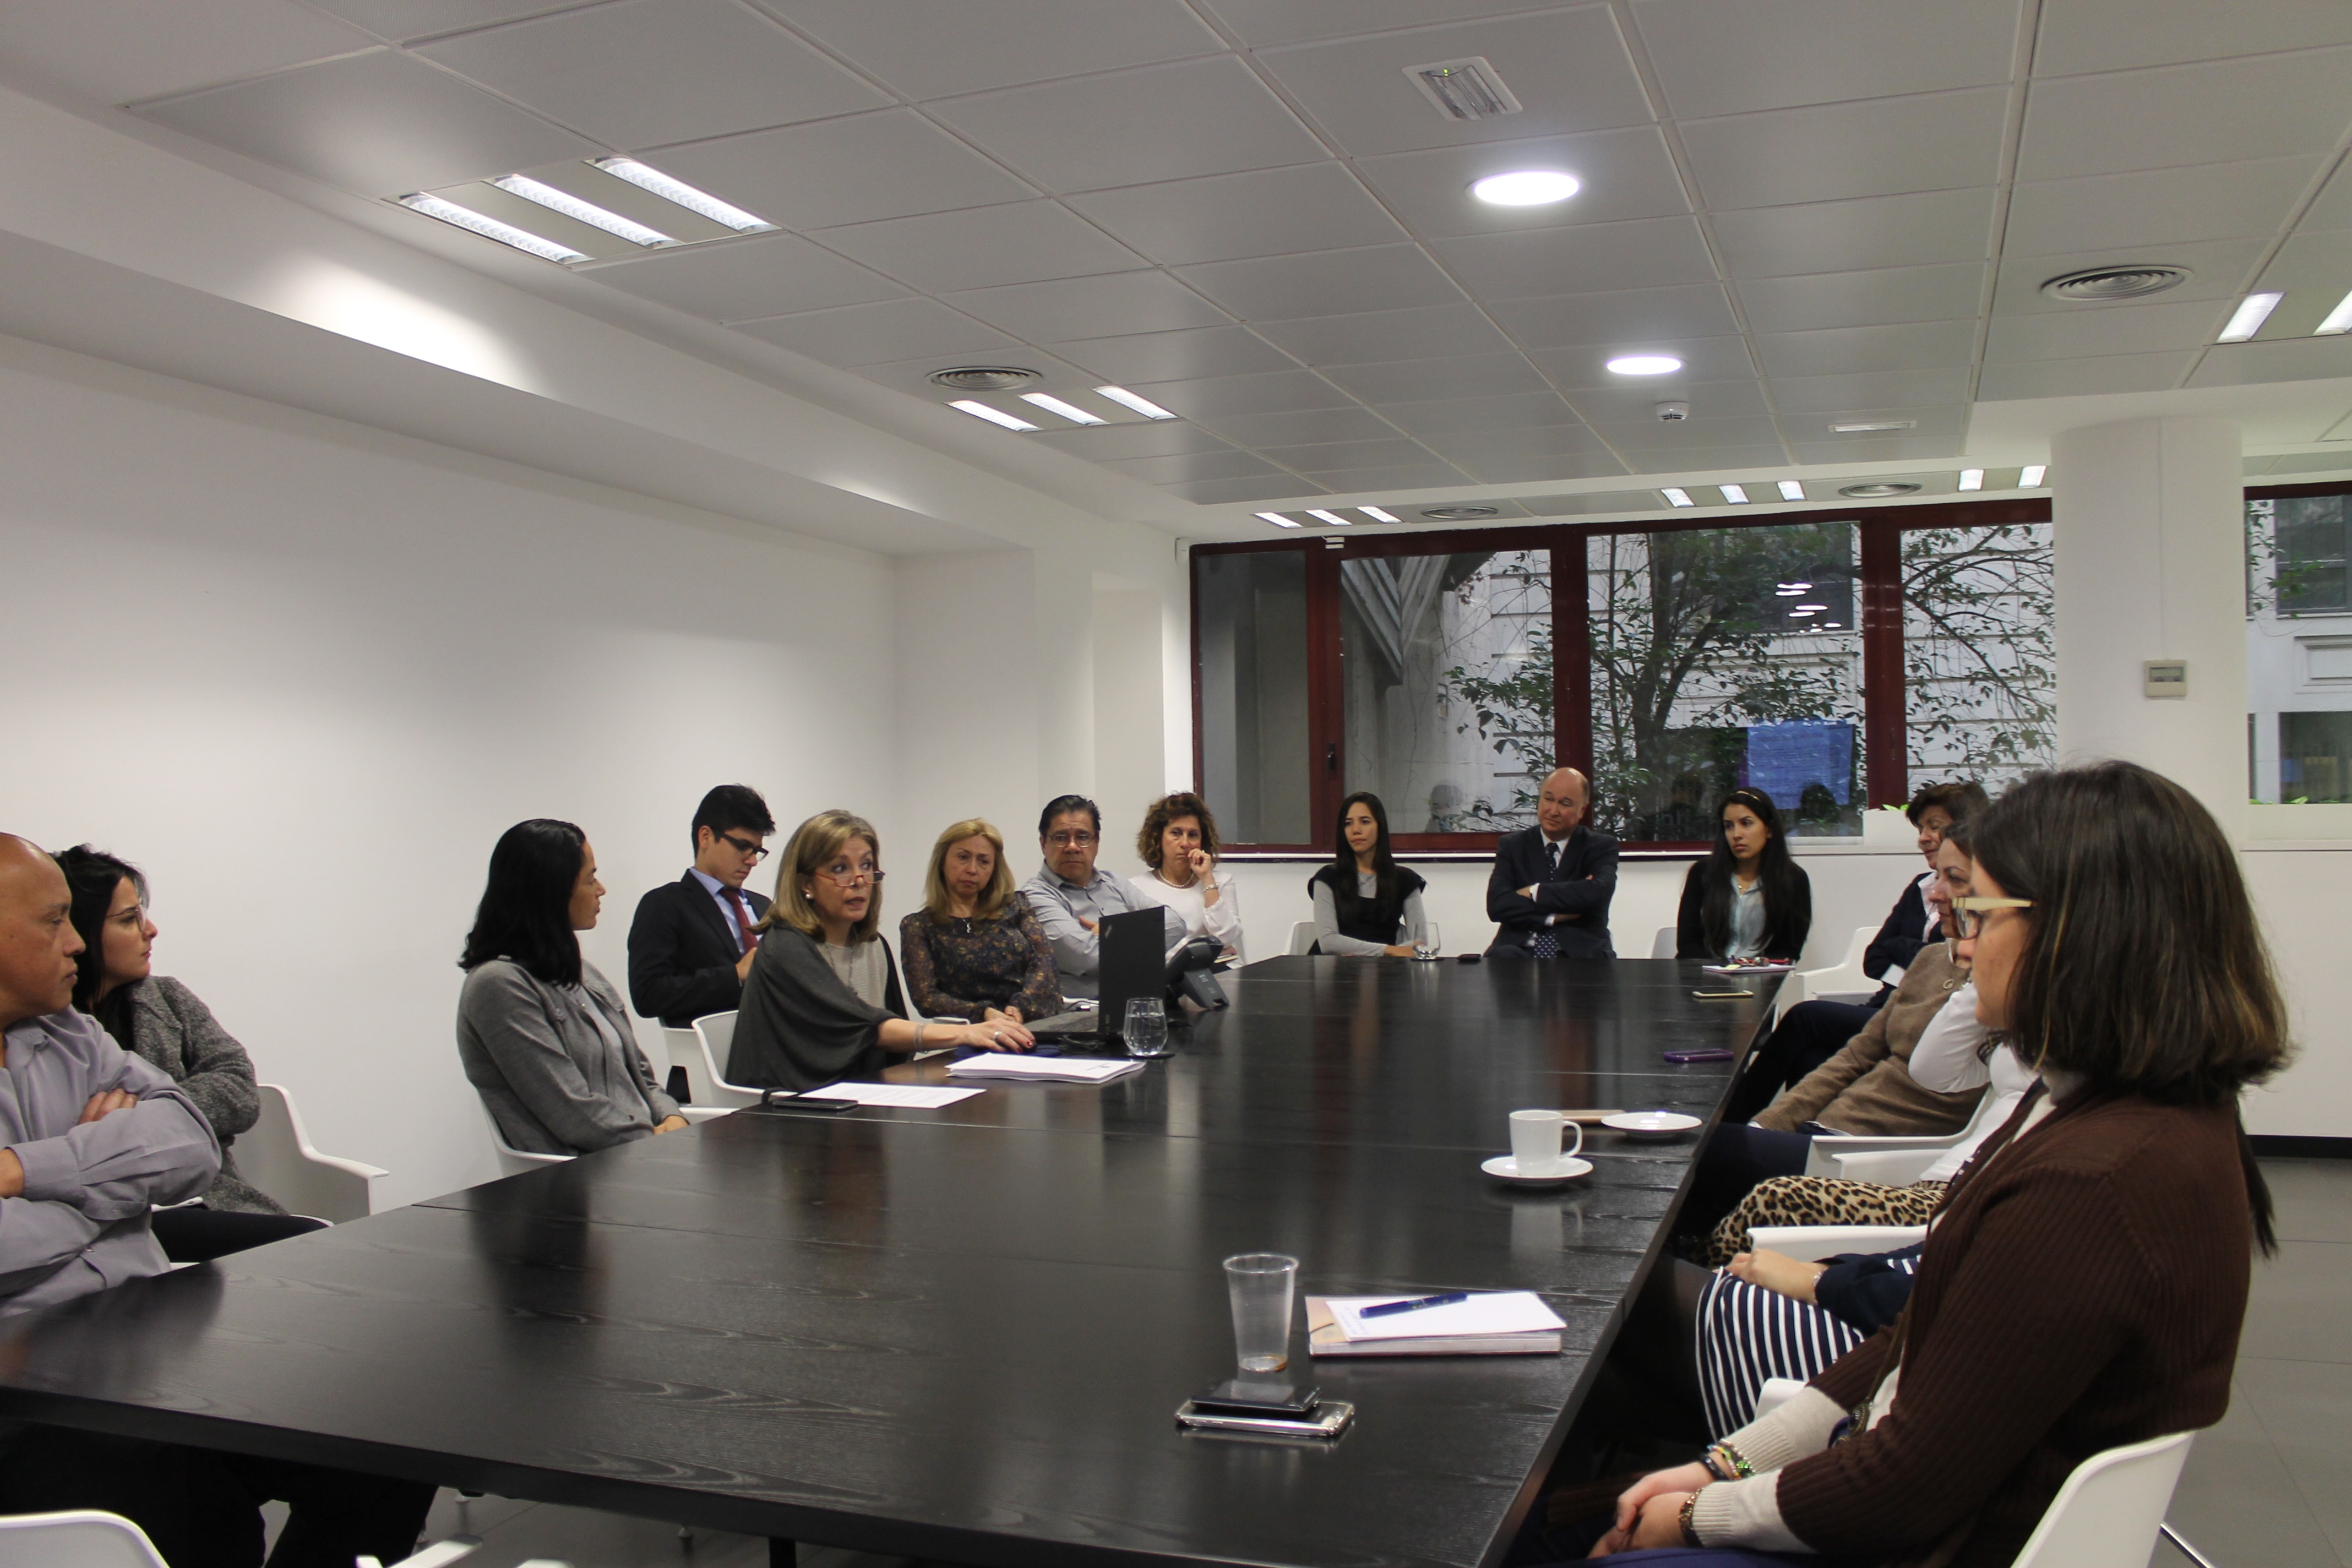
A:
(1071, 308)
(421, 18)
(887, 165)
(1881, 449)
(2114, 212)
(1653, 440)
(1880, 147)
(768, 275)
(1465, 375)
(927, 48)
(1214, 397)
(2083, 377)
(2216, 267)
(1625, 174)
(378, 124)
(1504, 468)
(979, 247)
(1924, 424)
(2306, 463)
(1660, 466)
(1190, 468)
(1305, 426)
(645, 72)
(1188, 355)
(2333, 210)
(1228, 492)
(1407, 477)
(1726, 57)
(1323, 456)
(2321, 262)
(1469, 448)
(1692, 311)
(1321, 283)
(1220, 218)
(1147, 439)
(1439, 417)
(2115, 34)
(1429, 332)
(1835, 350)
(1568, 69)
(1920, 230)
(120, 51)
(1163, 122)
(913, 376)
(2143, 326)
(1589, 259)
(1264, 23)
(2296, 359)
(1795, 395)
(1950, 293)
(1703, 359)
(2186, 115)
(890, 330)
(1593, 504)
(1627, 401)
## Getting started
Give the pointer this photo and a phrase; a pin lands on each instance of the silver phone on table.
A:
(1329, 1419)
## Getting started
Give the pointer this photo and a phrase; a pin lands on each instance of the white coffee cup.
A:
(1534, 1141)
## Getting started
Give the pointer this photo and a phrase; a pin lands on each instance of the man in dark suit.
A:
(1551, 884)
(691, 944)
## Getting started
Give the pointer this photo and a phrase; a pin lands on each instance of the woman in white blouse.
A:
(1179, 842)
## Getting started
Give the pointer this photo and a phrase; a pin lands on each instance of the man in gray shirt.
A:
(1070, 897)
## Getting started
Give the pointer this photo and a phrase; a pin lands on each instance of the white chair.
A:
(1664, 942)
(1811, 1243)
(513, 1162)
(1826, 1155)
(1887, 1167)
(678, 1047)
(1302, 937)
(714, 1037)
(85, 1538)
(276, 1155)
(1844, 982)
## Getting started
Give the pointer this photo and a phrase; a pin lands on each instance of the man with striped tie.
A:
(1551, 885)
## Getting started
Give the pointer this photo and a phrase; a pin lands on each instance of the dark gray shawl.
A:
(799, 1027)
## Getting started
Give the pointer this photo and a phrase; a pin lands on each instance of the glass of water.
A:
(1145, 1028)
(1424, 942)
(1260, 1285)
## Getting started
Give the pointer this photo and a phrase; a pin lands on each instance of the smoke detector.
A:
(1464, 88)
(983, 377)
(1878, 490)
(1461, 514)
(2096, 283)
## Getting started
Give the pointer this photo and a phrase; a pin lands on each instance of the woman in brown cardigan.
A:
(2085, 1281)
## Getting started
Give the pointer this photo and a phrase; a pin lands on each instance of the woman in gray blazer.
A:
(545, 1038)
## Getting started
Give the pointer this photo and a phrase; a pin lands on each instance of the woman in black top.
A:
(1364, 902)
(1748, 899)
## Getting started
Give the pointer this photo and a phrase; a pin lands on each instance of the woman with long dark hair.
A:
(1366, 905)
(545, 1039)
(1748, 899)
(2085, 1281)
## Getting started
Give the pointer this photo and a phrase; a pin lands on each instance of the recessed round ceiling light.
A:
(1878, 491)
(1462, 513)
(1527, 188)
(1645, 365)
(2115, 282)
(983, 377)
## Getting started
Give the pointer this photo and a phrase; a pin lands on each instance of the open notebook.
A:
(1493, 1322)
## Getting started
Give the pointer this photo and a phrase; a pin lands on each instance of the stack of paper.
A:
(1044, 1069)
(1495, 1322)
(912, 1096)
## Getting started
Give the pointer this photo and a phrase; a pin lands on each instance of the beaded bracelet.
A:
(1690, 1530)
(1732, 1460)
(1707, 1462)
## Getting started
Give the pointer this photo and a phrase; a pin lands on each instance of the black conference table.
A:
(962, 1333)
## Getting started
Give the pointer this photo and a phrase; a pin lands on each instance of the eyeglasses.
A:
(851, 879)
(1069, 840)
(1969, 913)
(757, 851)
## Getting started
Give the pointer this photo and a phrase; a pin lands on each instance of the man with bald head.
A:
(1550, 892)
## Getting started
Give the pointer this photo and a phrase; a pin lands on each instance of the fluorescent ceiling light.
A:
(1645, 365)
(1809, 609)
(1799, 613)
(1736, 494)
(1791, 587)
(1333, 518)
(2340, 320)
(1837, 623)
(1787, 593)
(1053, 404)
(647, 178)
(2030, 476)
(2248, 318)
(1127, 399)
(492, 228)
(993, 415)
(1527, 188)
(1792, 489)
(1874, 424)
(1276, 519)
(1376, 514)
(573, 208)
(1676, 496)
(1971, 479)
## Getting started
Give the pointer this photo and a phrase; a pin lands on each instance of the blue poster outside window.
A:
(1783, 759)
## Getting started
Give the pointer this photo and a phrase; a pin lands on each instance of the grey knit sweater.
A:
(168, 1027)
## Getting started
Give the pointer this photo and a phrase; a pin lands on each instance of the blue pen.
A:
(1390, 1309)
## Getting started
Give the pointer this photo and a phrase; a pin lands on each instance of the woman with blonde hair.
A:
(974, 951)
(822, 1002)
(1179, 842)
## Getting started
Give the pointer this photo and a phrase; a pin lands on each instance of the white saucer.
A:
(1503, 1168)
(1650, 1123)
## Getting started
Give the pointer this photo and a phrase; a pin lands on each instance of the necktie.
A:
(745, 942)
(1547, 942)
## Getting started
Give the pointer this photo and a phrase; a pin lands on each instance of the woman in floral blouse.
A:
(973, 945)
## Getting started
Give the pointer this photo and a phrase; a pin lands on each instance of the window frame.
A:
(1878, 583)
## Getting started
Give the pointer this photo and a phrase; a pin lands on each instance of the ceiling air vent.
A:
(2095, 283)
(983, 377)
(1462, 513)
(1464, 90)
(1878, 490)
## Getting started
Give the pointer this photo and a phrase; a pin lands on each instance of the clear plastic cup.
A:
(1424, 942)
(1260, 1286)
(1145, 1028)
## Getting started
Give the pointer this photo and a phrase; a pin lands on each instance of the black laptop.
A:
(1134, 963)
